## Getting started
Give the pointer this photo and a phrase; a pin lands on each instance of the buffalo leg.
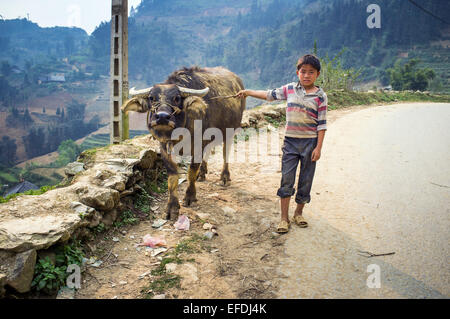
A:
(173, 206)
(203, 171)
(191, 193)
(225, 175)
(204, 167)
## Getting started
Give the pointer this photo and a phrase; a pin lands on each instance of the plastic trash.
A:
(153, 242)
(209, 234)
(158, 223)
(158, 251)
(182, 223)
(207, 226)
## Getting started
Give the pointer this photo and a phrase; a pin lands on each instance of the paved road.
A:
(382, 185)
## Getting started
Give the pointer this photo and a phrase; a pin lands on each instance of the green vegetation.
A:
(126, 218)
(8, 149)
(142, 202)
(40, 191)
(409, 76)
(164, 280)
(276, 122)
(68, 152)
(40, 140)
(100, 228)
(333, 76)
(50, 275)
(158, 183)
(339, 99)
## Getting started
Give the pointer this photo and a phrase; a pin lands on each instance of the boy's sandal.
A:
(300, 221)
(283, 227)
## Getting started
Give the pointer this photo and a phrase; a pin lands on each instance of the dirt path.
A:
(352, 208)
(380, 187)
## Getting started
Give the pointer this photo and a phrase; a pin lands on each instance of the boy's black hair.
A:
(309, 59)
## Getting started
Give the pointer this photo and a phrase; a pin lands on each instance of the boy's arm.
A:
(268, 95)
(321, 128)
(315, 156)
(259, 94)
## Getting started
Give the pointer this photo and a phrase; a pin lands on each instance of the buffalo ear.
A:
(195, 107)
(135, 104)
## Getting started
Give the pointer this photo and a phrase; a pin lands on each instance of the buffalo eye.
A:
(176, 99)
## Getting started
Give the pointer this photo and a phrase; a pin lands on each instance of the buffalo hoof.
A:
(189, 199)
(173, 209)
(202, 173)
(225, 179)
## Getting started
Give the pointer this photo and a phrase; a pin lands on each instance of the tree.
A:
(8, 149)
(333, 75)
(27, 119)
(75, 110)
(409, 77)
(375, 55)
(68, 152)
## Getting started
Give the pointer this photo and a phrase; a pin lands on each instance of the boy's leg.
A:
(305, 180)
(285, 208)
(289, 165)
(299, 209)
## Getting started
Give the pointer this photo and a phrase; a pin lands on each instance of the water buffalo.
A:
(189, 97)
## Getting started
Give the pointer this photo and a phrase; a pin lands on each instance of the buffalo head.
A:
(166, 105)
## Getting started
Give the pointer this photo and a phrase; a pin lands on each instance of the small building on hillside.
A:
(20, 188)
(56, 77)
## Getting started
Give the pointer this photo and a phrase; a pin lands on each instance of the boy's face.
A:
(307, 75)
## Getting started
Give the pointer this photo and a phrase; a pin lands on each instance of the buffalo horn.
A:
(134, 92)
(185, 92)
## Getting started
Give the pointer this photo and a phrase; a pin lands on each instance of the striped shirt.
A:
(305, 113)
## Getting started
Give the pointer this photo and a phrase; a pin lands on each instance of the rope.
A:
(223, 97)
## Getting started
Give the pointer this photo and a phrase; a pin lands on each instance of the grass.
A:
(126, 218)
(40, 191)
(276, 122)
(87, 155)
(339, 99)
(157, 183)
(163, 280)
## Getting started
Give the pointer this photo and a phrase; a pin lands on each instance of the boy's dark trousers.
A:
(295, 150)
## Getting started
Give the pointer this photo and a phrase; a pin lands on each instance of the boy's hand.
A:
(242, 94)
(315, 154)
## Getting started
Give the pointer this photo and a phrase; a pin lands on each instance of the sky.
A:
(85, 14)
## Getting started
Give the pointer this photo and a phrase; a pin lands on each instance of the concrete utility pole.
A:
(119, 71)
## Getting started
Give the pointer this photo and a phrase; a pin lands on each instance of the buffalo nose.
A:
(162, 117)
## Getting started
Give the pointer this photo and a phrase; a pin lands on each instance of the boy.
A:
(304, 134)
